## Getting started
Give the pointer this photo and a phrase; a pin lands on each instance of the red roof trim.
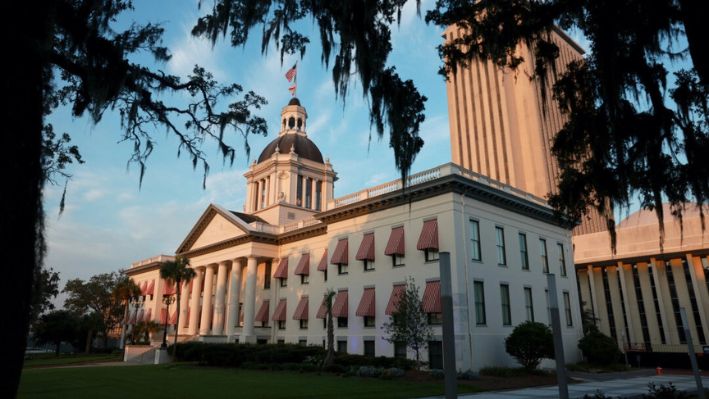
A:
(367, 305)
(341, 255)
(301, 312)
(366, 248)
(340, 308)
(396, 292)
(262, 314)
(429, 236)
(282, 270)
(303, 268)
(432, 297)
(396, 244)
(280, 313)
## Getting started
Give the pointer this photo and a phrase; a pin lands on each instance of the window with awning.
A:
(322, 310)
(282, 270)
(432, 297)
(367, 305)
(262, 314)
(340, 308)
(303, 268)
(280, 313)
(396, 244)
(322, 266)
(143, 288)
(301, 311)
(396, 293)
(365, 253)
(151, 288)
(428, 240)
(340, 256)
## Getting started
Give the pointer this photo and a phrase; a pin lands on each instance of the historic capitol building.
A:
(262, 272)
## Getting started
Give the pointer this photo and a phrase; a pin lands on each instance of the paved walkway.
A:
(633, 387)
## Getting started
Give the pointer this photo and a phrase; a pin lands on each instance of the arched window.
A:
(291, 122)
(300, 123)
(284, 123)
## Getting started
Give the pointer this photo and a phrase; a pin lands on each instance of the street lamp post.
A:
(167, 300)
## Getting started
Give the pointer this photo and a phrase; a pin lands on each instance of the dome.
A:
(294, 101)
(647, 217)
(303, 146)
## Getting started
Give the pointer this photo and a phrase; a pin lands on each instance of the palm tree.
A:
(330, 356)
(124, 292)
(177, 272)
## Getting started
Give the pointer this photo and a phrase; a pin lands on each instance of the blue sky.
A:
(109, 222)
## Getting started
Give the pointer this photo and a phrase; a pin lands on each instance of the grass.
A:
(48, 360)
(188, 381)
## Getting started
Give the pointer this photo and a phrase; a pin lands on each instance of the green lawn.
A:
(66, 360)
(187, 381)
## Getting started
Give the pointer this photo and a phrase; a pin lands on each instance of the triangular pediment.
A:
(215, 225)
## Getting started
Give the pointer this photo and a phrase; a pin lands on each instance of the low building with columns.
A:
(262, 273)
(636, 294)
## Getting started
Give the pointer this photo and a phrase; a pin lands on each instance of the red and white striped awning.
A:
(262, 314)
(322, 266)
(173, 318)
(280, 313)
(339, 308)
(143, 288)
(367, 305)
(148, 315)
(396, 294)
(396, 244)
(366, 248)
(303, 268)
(322, 310)
(282, 270)
(301, 312)
(341, 255)
(429, 236)
(432, 297)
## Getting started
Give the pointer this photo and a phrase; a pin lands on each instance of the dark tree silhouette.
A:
(624, 138)
(65, 52)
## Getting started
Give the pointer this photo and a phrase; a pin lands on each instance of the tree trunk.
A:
(105, 339)
(57, 346)
(26, 26)
(87, 349)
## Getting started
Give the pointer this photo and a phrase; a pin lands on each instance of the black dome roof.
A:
(304, 147)
(294, 101)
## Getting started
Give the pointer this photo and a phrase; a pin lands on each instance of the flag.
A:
(291, 73)
(292, 89)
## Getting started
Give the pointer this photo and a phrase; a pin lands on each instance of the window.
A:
(261, 341)
(281, 341)
(369, 321)
(430, 255)
(479, 289)
(324, 323)
(523, 253)
(435, 318)
(529, 303)
(399, 350)
(342, 346)
(567, 309)
(543, 254)
(318, 195)
(241, 315)
(267, 276)
(264, 323)
(302, 342)
(324, 274)
(475, 252)
(281, 324)
(435, 355)
(369, 348)
(501, 256)
(342, 322)
(299, 191)
(308, 192)
(303, 324)
(283, 282)
(341, 268)
(562, 260)
(546, 295)
(397, 260)
(304, 279)
(505, 300)
(368, 265)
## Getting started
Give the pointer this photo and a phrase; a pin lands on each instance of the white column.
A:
(194, 304)
(249, 300)
(267, 200)
(257, 195)
(219, 298)
(184, 300)
(205, 323)
(232, 309)
(313, 192)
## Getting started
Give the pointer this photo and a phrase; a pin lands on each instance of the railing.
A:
(154, 259)
(429, 175)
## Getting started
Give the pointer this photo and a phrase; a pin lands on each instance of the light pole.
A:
(167, 300)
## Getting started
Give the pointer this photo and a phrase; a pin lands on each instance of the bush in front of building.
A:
(599, 349)
(232, 355)
(529, 343)
(349, 360)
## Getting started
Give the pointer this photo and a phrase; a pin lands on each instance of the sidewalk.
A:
(633, 387)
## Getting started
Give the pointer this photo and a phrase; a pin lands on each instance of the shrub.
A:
(346, 359)
(367, 371)
(599, 348)
(662, 391)
(529, 343)
(467, 375)
(598, 395)
(392, 373)
(503, 372)
(235, 355)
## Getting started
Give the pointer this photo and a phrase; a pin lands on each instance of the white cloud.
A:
(94, 194)
(190, 50)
